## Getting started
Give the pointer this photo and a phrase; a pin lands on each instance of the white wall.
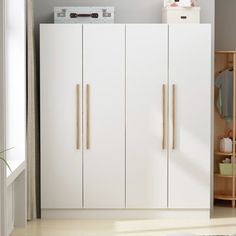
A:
(225, 19)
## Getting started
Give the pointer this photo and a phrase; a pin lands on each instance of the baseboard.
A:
(94, 214)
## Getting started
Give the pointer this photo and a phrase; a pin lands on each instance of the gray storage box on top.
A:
(84, 15)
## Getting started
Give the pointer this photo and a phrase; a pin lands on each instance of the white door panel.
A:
(61, 71)
(104, 72)
(190, 72)
(147, 67)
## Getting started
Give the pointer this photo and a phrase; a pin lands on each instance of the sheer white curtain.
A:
(2, 115)
(31, 115)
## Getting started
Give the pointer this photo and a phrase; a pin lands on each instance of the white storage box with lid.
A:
(177, 15)
(180, 3)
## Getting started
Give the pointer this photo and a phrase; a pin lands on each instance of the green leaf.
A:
(2, 159)
(6, 150)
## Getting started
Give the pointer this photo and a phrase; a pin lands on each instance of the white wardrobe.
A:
(125, 116)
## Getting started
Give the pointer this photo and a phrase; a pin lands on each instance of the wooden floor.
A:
(223, 223)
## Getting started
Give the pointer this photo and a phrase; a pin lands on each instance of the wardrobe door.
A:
(61, 114)
(190, 116)
(146, 115)
(104, 117)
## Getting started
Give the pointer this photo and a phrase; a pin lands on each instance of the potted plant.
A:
(3, 159)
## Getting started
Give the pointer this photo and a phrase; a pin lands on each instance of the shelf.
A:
(224, 197)
(224, 176)
(225, 52)
(223, 153)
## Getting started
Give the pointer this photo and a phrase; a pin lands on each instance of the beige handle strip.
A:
(78, 116)
(163, 115)
(173, 116)
(87, 116)
(234, 130)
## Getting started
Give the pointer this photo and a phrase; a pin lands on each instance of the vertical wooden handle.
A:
(78, 116)
(173, 116)
(234, 130)
(163, 115)
(87, 116)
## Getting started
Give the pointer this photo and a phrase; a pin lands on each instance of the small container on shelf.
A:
(226, 169)
(226, 145)
(180, 3)
(180, 15)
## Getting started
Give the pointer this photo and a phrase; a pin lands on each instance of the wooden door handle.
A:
(173, 116)
(87, 116)
(163, 115)
(78, 116)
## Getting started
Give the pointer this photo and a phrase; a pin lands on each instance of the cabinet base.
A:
(115, 214)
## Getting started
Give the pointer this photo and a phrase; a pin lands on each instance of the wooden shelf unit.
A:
(223, 154)
(224, 197)
(224, 186)
(223, 176)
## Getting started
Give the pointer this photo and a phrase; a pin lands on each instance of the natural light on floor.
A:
(128, 228)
